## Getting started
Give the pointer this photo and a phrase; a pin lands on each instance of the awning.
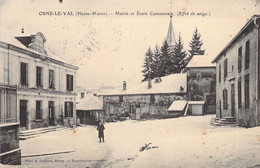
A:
(178, 105)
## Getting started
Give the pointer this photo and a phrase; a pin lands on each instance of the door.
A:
(233, 100)
(138, 113)
(132, 111)
(51, 113)
(23, 109)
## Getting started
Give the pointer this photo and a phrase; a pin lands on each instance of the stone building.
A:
(148, 99)
(201, 77)
(45, 83)
(238, 79)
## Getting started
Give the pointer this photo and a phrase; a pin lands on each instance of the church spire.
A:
(171, 36)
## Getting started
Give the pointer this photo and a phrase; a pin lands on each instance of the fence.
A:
(8, 104)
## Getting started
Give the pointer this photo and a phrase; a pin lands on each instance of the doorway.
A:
(233, 108)
(51, 113)
(23, 111)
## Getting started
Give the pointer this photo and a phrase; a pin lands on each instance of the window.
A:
(225, 69)
(51, 79)
(247, 102)
(239, 66)
(225, 103)
(131, 109)
(39, 76)
(82, 95)
(68, 109)
(247, 55)
(198, 75)
(239, 93)
(219, 73)
(121, 99)
(152, 99)
(24, 74)
(69, 82)
(38, 110)
(213, 86)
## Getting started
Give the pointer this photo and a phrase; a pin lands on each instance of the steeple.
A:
(171, 36)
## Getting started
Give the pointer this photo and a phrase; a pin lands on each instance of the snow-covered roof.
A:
(197, 102)
(177, 105)
(200, 61)
(90, 102)
(252, 20)
(175, 83)
(13, 41)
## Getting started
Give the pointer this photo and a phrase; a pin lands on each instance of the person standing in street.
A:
(100, 129)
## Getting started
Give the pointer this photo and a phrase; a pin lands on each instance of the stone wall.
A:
(10, 153)
(140, 106)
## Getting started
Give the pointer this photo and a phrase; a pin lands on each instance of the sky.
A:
(110, 49)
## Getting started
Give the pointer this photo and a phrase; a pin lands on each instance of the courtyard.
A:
(178, 142)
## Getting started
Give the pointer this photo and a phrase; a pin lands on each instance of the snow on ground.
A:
(178, 142)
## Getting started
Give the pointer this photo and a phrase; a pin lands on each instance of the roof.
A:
(177, 105)
(175, 83)
(197, 102)
(90, 102)
(250, 22)
(170, 35)
(200, 61)
(16, 42)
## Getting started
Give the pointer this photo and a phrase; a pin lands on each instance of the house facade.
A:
(45, 83)
(238, 79)
(201, 78)
(148, 99)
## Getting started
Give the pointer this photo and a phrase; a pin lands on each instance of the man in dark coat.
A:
(100, 129)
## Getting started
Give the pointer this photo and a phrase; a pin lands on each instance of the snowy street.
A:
(178, 142)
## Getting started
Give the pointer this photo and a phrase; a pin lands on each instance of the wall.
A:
(199, 86)
(244, 117)
(142, 104)
(10, 74)
(10, 153)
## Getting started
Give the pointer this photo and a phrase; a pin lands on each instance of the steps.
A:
(27, 134)
(225, 121)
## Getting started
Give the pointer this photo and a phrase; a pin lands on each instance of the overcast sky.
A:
(110, 49)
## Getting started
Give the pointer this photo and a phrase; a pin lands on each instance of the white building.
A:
(45, 83)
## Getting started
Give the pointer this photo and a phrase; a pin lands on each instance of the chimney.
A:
(22, 30)
(181, 89)
(82, 95)
(149, 83)
(124, 85)
(157, 80)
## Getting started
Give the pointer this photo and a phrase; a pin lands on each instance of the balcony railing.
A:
(8, 104)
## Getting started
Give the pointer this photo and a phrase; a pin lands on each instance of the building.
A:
(148, 99)
(10, 152)
(89, 109)
(45, 83)
(238, 79)
(201, 77)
